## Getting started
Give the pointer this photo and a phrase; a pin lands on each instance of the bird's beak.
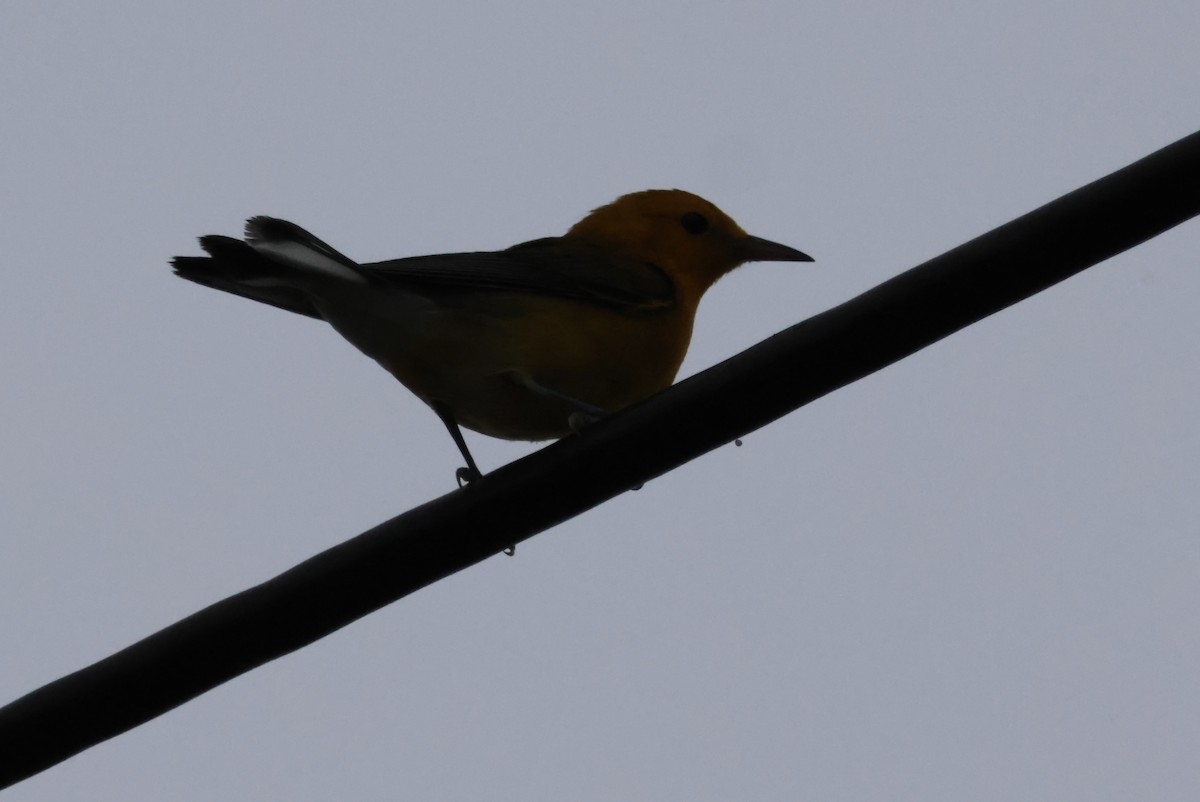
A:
(756, 249)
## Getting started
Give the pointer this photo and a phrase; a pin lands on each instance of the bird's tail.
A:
(273, 264)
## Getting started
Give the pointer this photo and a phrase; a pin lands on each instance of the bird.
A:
(531, 342)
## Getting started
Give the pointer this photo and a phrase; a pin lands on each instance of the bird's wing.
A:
(555, 267)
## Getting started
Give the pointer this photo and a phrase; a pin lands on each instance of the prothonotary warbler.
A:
(524, 343)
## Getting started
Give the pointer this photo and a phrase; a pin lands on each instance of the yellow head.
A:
(690, 239)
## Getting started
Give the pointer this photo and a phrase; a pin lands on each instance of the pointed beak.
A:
(756, 249)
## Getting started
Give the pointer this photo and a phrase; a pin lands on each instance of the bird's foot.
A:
(580, 420)
(464, 476)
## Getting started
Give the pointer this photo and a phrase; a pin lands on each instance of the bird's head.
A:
(690, 239)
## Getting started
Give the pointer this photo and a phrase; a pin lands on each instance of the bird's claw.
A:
(464, 476)
(580, 420)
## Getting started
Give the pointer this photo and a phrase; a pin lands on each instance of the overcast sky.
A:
(974, 575)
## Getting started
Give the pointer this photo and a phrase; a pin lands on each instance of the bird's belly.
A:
(492, 368)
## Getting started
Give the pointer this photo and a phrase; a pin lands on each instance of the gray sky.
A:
(971, 576)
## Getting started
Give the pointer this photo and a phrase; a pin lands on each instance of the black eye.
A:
(694, 223)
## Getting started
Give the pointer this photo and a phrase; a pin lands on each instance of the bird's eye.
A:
(694, 223)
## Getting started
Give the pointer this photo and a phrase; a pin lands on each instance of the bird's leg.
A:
(583, 414)
(470, 473)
